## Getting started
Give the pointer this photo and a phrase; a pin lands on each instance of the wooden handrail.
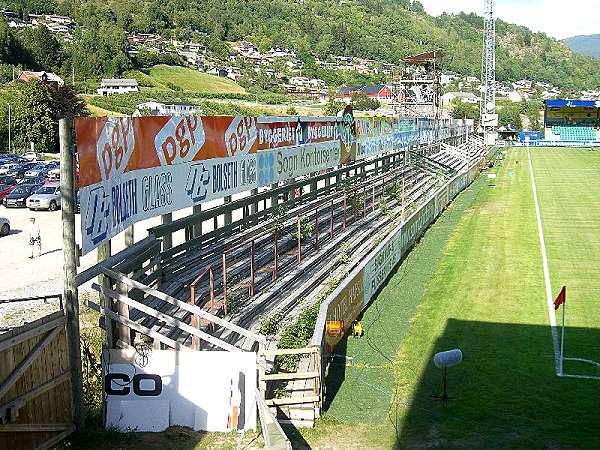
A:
(186, 306)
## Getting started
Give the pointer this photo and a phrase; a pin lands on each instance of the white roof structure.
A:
(119, 82)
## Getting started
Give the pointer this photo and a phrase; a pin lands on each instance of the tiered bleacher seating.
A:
(574, 133)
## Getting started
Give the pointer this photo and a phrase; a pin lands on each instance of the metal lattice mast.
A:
(488, 65)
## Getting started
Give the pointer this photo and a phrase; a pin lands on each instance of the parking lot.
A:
(22, 277)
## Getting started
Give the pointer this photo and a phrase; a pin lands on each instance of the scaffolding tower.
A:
(417, 90)
(489, 118)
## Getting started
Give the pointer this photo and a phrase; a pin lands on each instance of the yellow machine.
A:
(357, 329)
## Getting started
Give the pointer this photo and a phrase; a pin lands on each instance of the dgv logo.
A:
(197, 182)
(97, 215)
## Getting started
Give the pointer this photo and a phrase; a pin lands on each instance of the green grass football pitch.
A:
(476, 282)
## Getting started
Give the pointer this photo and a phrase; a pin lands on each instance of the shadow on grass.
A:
(336, 374)
(507, 393)
(174, 438)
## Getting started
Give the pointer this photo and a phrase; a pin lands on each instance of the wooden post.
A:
(167, 238)
(254, 205)
(225, 282)
(123, 332)
(274, 199)
(129, 236)
(252, 268)
(228, 215)
(299, 239)
(70, 294)
(104, 252)
(197, 225)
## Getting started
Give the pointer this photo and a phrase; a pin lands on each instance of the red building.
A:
(381, 92)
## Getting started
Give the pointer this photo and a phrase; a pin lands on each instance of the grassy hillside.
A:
(185, 79)
(193, 80)
(384, 30)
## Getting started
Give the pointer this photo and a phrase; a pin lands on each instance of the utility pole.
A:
(70, 267)
(9, 129)
(489, 118)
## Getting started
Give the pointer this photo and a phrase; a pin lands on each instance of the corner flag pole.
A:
(562, 338)
(562, 301)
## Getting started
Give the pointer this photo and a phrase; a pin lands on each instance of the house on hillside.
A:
(380, 92)
(45, 77)
(110, 86)
(464, 97)
(280, 53)
(152, 108)
(16, 23)
(63, 20)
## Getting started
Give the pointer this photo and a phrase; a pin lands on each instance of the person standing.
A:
(35, 238)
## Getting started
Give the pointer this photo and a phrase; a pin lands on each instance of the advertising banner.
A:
(132, 169)
(347, 302)
(381, 264)
(206, 391)
(343, 310)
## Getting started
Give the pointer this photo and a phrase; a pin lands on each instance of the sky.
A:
(557, 18)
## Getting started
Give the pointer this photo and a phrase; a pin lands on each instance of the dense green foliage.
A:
(362, 102)
(35, 111)
(510, 114)
(384, 30)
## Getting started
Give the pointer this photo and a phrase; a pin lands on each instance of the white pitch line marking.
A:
(549, 294)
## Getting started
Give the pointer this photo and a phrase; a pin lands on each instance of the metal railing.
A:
(46, 298)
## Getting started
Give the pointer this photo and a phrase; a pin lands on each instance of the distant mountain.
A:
(585, 45)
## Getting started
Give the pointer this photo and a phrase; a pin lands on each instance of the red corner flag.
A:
(562, 298)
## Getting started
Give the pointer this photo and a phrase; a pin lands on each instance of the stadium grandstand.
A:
(571, 123)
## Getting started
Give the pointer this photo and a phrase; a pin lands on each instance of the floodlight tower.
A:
(489, 120)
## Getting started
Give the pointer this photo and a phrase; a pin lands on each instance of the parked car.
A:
(46, 197)
(7, 168)
(18, 197)
(19, 171)
(4, 226)
(6, 179)
(35, 179)
(30, 156)
(54, 174)
(5, 189)
(8, 158)
(37, 170)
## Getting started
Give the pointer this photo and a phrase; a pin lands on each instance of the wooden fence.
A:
(302, 405)
(35, 391)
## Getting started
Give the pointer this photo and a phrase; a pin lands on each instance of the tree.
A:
(510, 115)
(461, 110)
(333, 106)
(43, 48)
(66, 103)
(362, 102)
(33, 119)
(100, 52)
(36, 109)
